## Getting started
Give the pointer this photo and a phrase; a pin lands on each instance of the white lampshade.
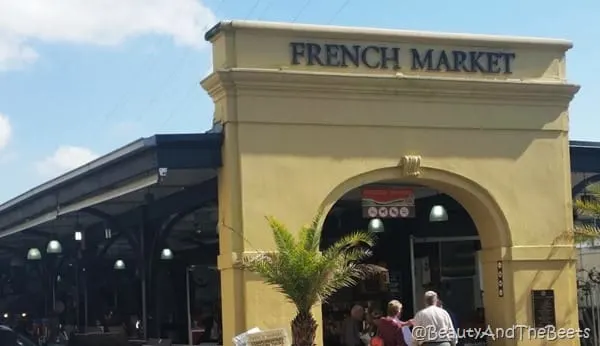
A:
(438, 213)
(166, 254)
(54, 246)
(376, 226)
(78, 235)
(34, 254)
(119, 265)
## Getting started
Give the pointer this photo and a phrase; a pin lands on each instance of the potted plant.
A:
(307, 275)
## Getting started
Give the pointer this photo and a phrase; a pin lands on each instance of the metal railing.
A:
(588, 291)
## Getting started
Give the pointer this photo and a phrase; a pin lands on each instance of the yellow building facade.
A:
(312, 112)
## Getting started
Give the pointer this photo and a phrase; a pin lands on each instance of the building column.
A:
(232, 299)
(523, 269)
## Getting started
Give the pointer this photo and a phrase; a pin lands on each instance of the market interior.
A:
(426, 240)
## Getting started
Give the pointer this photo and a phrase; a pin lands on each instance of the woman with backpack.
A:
(389, 328)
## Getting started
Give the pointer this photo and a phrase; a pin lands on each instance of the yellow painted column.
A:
(247, 301)
(525, 269)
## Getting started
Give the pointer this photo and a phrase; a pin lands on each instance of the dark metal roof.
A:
(584, 144)
(585, 156)
(140, 158)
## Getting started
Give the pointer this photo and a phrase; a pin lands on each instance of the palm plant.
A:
(586, 207)
(307, 276)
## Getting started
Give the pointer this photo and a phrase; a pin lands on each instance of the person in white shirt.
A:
(433, 326)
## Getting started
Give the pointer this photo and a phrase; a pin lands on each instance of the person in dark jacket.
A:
(352, 327)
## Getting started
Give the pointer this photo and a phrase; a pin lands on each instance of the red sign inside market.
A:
(388, 203)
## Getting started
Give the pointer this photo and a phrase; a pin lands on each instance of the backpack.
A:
(376, 341)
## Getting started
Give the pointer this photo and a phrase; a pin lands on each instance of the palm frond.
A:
(310, 235)
(284, 239)
(593, 190)
(585, 232)
(587, 207)
(271, 268)
(580, 234)
(349, 241)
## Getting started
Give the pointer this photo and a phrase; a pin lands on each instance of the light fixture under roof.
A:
(119, 265)
(54, 247)
(376, 226)
(438, 213)
(166, 254)
(34, 254)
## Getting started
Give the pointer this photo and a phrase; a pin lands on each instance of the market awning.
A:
(159, 175)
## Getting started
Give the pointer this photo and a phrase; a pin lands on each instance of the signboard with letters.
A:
(387, 57)
(544, 310)
(388, 203)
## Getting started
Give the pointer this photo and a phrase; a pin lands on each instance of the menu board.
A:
(544, 311)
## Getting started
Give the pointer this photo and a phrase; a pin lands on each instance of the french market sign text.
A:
(385, 57)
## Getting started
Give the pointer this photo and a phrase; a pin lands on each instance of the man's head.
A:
(357, 312)
(431, 298)
(439, 303)
(394, 308)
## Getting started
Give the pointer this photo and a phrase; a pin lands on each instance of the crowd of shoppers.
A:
(436, 326)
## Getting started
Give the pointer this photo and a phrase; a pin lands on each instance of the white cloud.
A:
(100, 22)
(64, 159)
(5, 131)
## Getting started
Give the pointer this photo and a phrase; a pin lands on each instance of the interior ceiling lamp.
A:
(166, 254)
(376, 226)
(119, 265)
(438, 213)
(78, 232)
(54, 247)
(107, 233)
(34, 254)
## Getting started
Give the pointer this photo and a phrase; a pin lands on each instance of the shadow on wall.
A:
(536, 282)
(337, 142)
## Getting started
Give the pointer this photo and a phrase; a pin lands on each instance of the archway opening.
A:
(427, 241)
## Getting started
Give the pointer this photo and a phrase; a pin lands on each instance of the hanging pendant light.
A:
(376, 226)
(166, 254)
(54, 247)
(119, 265)
(34, 254)
(107, 233)
(78, 232)
(438, 213)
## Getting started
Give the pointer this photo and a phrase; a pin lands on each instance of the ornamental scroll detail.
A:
(411, 165)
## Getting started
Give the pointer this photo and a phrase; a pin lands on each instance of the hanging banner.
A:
(388, 203)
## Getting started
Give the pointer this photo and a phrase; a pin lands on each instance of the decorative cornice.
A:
(257, 80)
(378, 35)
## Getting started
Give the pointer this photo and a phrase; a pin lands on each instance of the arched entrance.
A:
(413, 248)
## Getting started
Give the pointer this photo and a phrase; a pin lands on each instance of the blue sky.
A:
(79, 78)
